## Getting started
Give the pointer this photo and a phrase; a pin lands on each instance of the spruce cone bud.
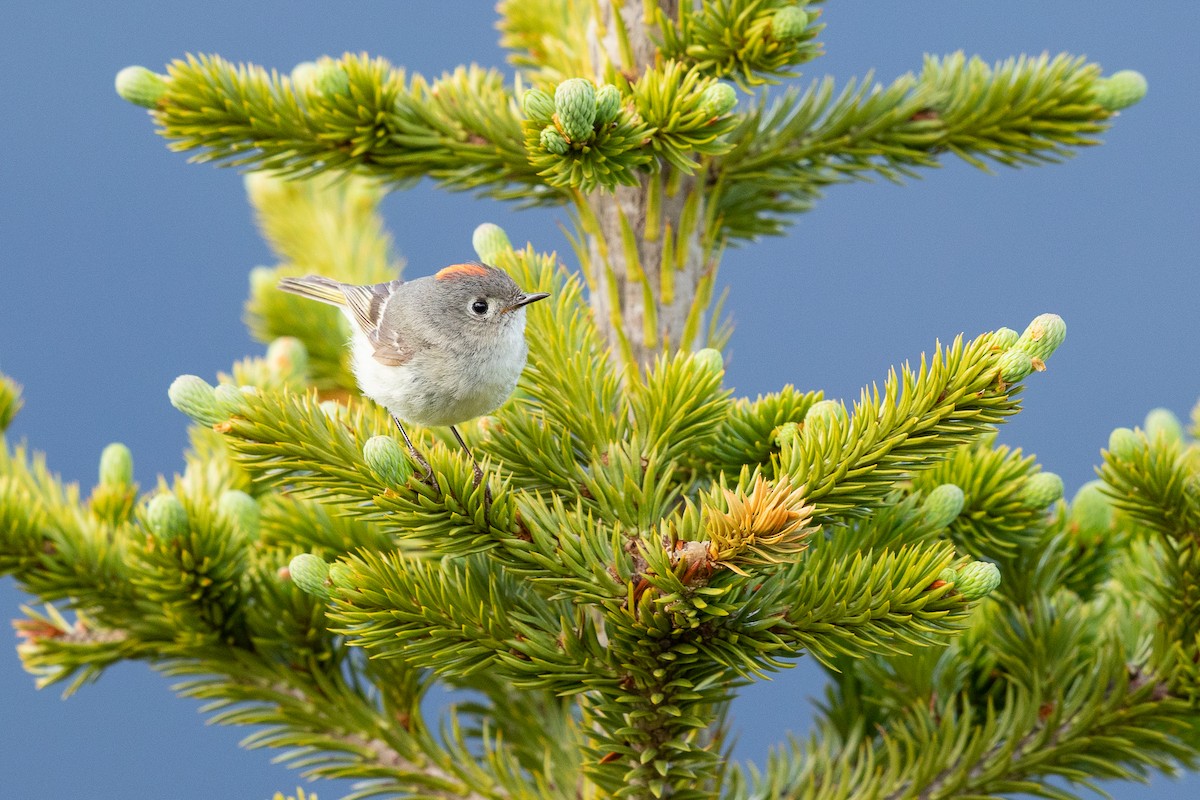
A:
(1123, 443)
(1041, 490)
(1015, 364)
(976, 580)
(1004, 338)
(553, 141)
(242, 510)
(575, 105)
(538, 105)
(193, 396)
(1043, 336)
(709, 358)
(718, 99)
(1162, 422)
(1091, 509)
(1119, 90)
(229, 399)
(608, 104)
(826, 410)
(166, 517)
(385, 458)
(331, 78)
(786, 433)
(943, 505)
(489, 241)
(789, 23)
(116, 465)
(10, 401)
(311, 574)
(304, 76)
(140, 86)
(287, 357)
(340, 575)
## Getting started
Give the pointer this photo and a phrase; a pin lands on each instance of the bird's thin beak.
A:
(526, 299)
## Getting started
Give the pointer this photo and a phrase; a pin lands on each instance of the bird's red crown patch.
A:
(459, 271)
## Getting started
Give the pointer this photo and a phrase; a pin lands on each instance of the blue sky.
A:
(124, 266)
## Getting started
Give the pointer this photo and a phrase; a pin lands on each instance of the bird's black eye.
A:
(479, 307)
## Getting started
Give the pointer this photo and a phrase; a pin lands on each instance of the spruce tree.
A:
(645, 543)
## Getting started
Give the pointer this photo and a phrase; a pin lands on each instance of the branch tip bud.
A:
(489, 241)
(116, 465)
(140, 86)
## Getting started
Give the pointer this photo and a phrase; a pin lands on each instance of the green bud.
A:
(553, 141)
(1162, 422)
(385, 458)
(311, 574)
(1091, 510)
(709, 358)
(1043, 336)
(718, 99)
(1004, 338)
(943, 505)
(196, 398)
(141, 87)
(608, 104)
(1015, 365)
(1041, 490)
(826, 410)
(977, 580)
(538, 105)
(340, 575)
(1119, 90)
(786, 433)
(575, 106)
(116, 465)
(1123, 444)
(788, 23)
(229, 399)
(287, 358)
(242, 510)
(10, 401)
(489, 241)
(304, 76)
(166, 517)
(331, 78)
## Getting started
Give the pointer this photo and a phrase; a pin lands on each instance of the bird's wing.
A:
(366, 305)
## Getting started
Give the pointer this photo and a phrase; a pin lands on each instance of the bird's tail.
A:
(315, 287)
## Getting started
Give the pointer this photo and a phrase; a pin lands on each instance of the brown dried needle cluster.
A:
(767, 526)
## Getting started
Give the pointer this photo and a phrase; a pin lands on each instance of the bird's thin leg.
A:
(478, 469)
(420, 459)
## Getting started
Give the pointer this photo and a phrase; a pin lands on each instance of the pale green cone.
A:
(718, 99)
(1004, 338)
(826, 410)
(241, 510)
(166, 517)
(1041, 490)
(943, 505)
(1119, 90)
(140, 86)
(116, 465)
(575, 106)
(195, 397)
(1015, 365)
(538, 106)
(229, 399)
(553, 141)
(1163, 422)
(340, 575)
(489, 241)
(331, 78)
(385, 458)
(310, 573)
(1123, 444)
(1091, 510)
(786, 433)
(974, 581)
(608, 104)
(788, 23)
(1043, 336)
(709, 358)
(287, 358)
(304, 76)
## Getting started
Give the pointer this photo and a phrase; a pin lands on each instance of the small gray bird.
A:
(438, 350)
